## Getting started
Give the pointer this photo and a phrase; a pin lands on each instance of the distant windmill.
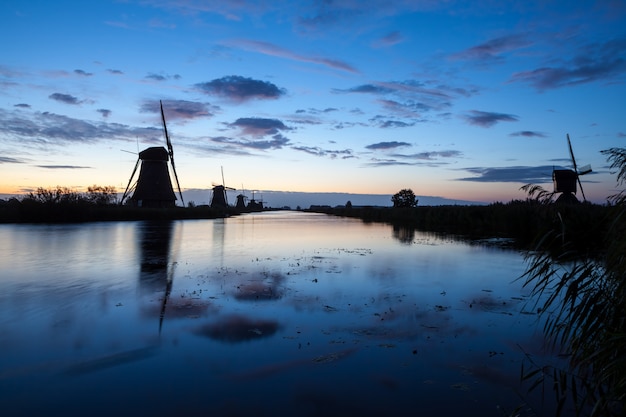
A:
(220, 199)
(565, 179)
(241, 199)
(154, 187)
(255, 205)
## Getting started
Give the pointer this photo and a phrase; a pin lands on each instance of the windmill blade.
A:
(170, 150)
(580, 184)
(571, 153)
(180, 193)
(130, 180)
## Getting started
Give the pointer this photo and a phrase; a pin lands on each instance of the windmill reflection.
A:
(156, 270)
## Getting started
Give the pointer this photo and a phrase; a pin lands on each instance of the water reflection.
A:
(404, 234)
(235, 329)
(156, 270)
(335, 315)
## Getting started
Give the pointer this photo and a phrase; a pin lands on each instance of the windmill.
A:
(154, 187)
(241, 199)
(255, 205)
(220, 199)
(565, 179)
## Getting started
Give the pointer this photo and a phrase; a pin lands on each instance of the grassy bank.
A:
(523, 221)
(28, 211)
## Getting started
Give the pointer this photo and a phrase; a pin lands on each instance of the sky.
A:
(463, 100)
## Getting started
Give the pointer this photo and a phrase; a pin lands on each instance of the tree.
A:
(404, 198)
(100, 195)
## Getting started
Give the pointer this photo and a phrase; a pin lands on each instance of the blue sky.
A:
(466, 100)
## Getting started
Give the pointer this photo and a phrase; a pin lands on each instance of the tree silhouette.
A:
(404, 198)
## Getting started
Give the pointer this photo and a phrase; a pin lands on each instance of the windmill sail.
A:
(170, 150)
(565, 180)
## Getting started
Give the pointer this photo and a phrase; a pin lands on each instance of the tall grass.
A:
(583, 293)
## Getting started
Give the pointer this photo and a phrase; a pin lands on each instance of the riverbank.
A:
(522, 221)
(28, 211)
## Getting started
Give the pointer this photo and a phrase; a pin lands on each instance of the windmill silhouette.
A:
(565, 179)
(153, 187)
(220, 199)
(241, 199)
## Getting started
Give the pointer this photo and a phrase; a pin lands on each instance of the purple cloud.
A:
(238, 88)
(528, 134)
(277, 142)
(64, 98)
(387, 145)
(7, 160)
(104, 112)
(274, 50)
(61, 167)
(259, 127)
(598, 62)
(493, 49)
(83, 73)
(488, 119)
(332, 154)
(390, 39)
(179, 109)
(521, 174)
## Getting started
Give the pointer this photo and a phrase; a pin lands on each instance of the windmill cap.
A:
(155, 153)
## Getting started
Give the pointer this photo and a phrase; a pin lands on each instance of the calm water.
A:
(267, 314)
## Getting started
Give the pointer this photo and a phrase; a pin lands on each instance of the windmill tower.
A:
(255, 205)
(565, 179)
(241, 200)
(154, 187)
(220, 199)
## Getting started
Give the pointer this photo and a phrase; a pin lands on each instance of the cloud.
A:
(179, 109)
(375, 162)
(410, 108)
(8, 160)
(64, 98)
(238, 88)
(274, 50)
(528, 134)
(432, 159)
(391, 39)
(488, 119)
(104, 112)
(317, 111)
(430, 156)
(115, 71)
(83, 73)
(42, 129)
(161, 77)
(22, 105)
(621, 135)
(277, 142)
(387, 145)
(62, 167)
(259, 127)
(394, 123)
(493, 49)
(597, 62)
(317, 151)
(366, 88)
(410, 98)
(520, 174)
